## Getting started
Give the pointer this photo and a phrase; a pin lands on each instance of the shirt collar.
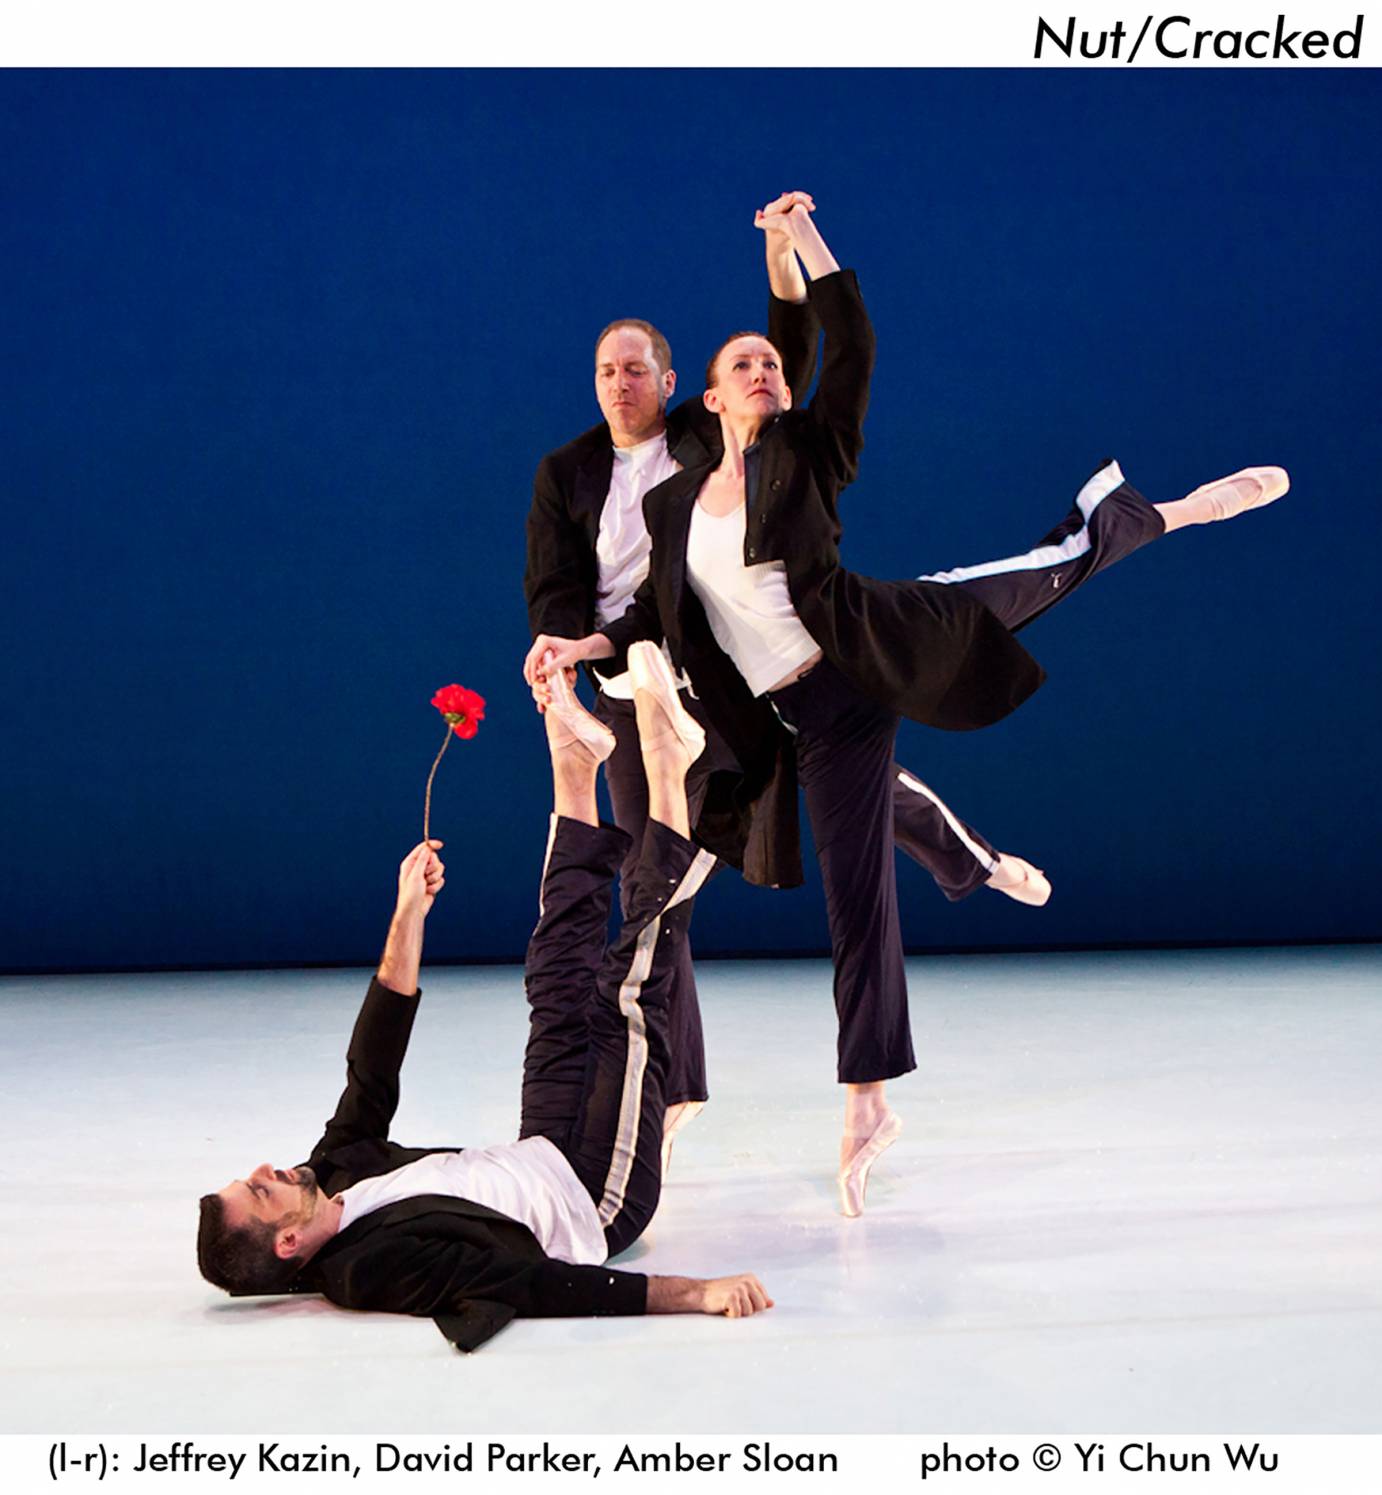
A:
(643, 451)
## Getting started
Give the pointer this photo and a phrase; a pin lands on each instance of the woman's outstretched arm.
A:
(842, 395)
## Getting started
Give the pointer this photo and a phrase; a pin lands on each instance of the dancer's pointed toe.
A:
(674, 1119)
(568, 722)
(1249, 488)
(1020, 881)
(650, 675)
(1275, 481)
(853, 1178)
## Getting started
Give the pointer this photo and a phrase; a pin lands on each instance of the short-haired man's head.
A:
(634, 379)
(662, 349)
(240, 1259)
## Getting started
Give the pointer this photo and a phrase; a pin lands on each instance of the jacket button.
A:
(752, 552)
(777, 484)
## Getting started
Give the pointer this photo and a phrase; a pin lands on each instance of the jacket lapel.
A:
(673, 528)
(687, 448)
(592, 486)
(405, 1210)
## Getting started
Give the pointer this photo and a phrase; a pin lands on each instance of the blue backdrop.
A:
(284, 348)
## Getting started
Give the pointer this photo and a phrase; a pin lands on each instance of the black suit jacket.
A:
(572, 483)
(467, 1267)
(927, 651)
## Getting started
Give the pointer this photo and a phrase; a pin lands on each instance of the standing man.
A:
(588, 549)
(588, 554)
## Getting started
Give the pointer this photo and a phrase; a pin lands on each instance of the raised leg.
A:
(565, 950)
(628, 792)
(616, 1144)
(955, 854)
(1109, 521)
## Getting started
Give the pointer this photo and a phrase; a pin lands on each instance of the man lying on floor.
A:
(475, 1237)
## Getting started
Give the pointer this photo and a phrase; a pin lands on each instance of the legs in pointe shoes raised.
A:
(1226, 498)
(670, 740)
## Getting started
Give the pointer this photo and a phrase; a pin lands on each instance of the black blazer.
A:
(469, 1268)
(572, 483)
(927, 651)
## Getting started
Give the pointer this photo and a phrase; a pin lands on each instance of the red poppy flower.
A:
(464, 709)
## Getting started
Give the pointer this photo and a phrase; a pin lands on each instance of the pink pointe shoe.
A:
(649, 671)
(1020, 880)
(1249, 488)
(574, 722)
(853, 1178)
(676, 1117)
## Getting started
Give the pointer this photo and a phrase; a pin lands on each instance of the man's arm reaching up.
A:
(421, 876)
(380, 1037)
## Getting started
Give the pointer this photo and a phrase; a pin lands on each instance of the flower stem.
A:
(427, 801)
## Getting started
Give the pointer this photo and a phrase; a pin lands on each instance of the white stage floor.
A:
(1136, 1191)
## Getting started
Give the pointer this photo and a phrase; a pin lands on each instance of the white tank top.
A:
(749, 607)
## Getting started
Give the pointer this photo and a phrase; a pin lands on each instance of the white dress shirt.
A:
(623, 545)
(529, 1181)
